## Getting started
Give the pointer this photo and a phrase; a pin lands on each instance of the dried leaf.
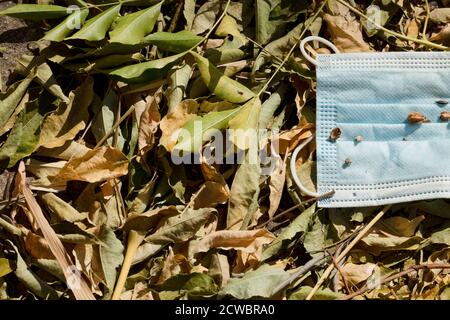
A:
(69, 119)
(99, 164)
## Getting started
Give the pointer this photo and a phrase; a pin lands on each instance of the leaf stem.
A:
(399, 275)
(425, 24)
(396, 34)
(135, 238)
(344, 253)
(266, 85)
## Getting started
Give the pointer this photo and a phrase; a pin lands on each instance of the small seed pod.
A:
(347, 162)
(359, 138)
(441, 101)
(335, 134)
(445, 116)
(417, 117)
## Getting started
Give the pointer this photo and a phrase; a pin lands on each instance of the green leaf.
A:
(31, 280)
(111, 255)
(35, 11)
(273, 15)
(229, 26)
(268, 108)
(24, 136)
(132, 28)
(105, 116)
(201, 128)
(61, 209)
(181, 227)
(145, 71)
(442, 236)
(5, 267)
(245, 125)
(321, 294)
(244, 191)
(173, 42)
(69, 232)
(300, 225)
(95, 29)
(439, 207)
(223, 87)
(280, 47)
(43, 74)
(62, 30)
(195, 284)
(11, 99)
(259, 283)
(318, 236)
(178, 80)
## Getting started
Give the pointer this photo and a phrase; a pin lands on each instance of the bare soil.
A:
(16, 38)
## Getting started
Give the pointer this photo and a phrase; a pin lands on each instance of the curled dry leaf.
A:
(69, 119)
(175, 120)
(99, 164)
(55, 245)
(215, 189)
(288, 140)
(247, 241)
(345, 29)
(148, 124)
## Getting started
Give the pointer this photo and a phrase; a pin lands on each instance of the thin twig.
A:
(116, 125)
(425, 24)
(173, 23)
(287, 211)
(266, 85)
(339, 270)
(396, 34)
(344, 253)
(314, 262)
(191, 202)
(399, 275)
(264, 49)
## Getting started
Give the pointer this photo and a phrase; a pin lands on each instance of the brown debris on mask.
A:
(417, 117)
(335, 134)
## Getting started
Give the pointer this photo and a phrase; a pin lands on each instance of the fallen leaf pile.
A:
(117, 182)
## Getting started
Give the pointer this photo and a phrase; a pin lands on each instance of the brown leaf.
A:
(148, 124)
(174, 121)
(69, 119)
(81, 292)
(149, 219)
(38, 247)
(399, 226)
(288, 140)
(276, 184)
(215, 189)
(97, 165)
(345, 29)
(442, 36)
(248, 241)
(357, 273)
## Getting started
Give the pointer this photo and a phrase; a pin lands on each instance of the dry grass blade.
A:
(344, 253)
(78, 286)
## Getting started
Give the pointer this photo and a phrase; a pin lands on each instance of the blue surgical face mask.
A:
(372, 148)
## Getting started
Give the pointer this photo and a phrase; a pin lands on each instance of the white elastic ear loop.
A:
(295, 177)
(315, 38)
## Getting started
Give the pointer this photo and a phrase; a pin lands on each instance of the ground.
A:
(16, 38)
